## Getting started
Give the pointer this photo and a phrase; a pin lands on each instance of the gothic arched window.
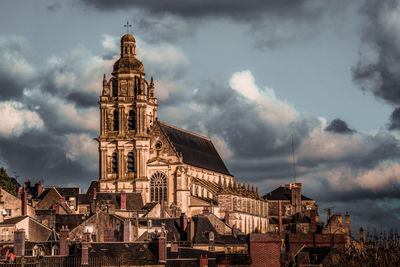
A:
(131, 162)
(116, 121)
(114, 163)
(158, 187)
(132, 120)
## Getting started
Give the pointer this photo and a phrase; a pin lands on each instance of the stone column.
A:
(121, 163)
(121, 114)
(103, 163)
(102, 121)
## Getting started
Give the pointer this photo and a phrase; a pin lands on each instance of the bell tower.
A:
(128, 109)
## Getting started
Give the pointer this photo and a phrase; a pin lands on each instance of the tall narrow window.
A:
(116, 121)
(132, 120)
(158, 187)
(131, 162)
(114, 163)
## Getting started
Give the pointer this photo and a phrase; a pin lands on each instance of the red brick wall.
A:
(265, 250)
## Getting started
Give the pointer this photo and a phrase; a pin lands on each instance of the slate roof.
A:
(68, 191)
(282, 193)
(203, 227)
(196, 150)
(129, 254)
(172, 225)
(71, 220)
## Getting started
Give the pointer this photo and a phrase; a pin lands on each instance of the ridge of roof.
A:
(185, 131)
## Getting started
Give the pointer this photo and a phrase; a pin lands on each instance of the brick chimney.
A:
(19, 194)
(39, 188)
(123, 200)
(162, 209)
(313, 226)
(127, 230)
(19, 242)
(24, 203)
(64, 236)
(362, 236)
(162, 247)
(206, 211)
(203, 261)
(85, 254)
(280, 216)
(347, 223)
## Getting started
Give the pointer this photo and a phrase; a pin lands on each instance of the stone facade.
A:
(140, 154)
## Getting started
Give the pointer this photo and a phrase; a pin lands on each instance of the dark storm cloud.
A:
(234, 9)
(83, 98)
(40, 156)
(339, 126)
(394, 123)
(271, 23)
(380, 74)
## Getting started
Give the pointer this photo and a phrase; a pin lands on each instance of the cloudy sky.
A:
(251, 74)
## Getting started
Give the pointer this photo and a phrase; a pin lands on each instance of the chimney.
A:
(347, 223)
(280, 215)
(27, 185)
(226, 217)
(127, 230)
(183, 222)
(19, 195)
(94, 193)
(362, 236)
(123, 200)
(19, 242)
(162, 209)
(203, 261)
(328, 216)
(206, 211)
(64, 236)
(161, 247)
(39, 188)
(24, 203)
(313, 226)
(85, 254)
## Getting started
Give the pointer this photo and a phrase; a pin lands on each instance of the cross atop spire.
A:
(127, 25)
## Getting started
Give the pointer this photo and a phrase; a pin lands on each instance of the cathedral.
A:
(178, 169)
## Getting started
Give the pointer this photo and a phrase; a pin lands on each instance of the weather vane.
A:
(127, 25)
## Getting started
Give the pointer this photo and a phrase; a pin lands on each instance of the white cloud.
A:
(15, 119)
(271, 109)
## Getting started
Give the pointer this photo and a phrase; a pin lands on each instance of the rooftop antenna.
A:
(294, 162)
(127, 25)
